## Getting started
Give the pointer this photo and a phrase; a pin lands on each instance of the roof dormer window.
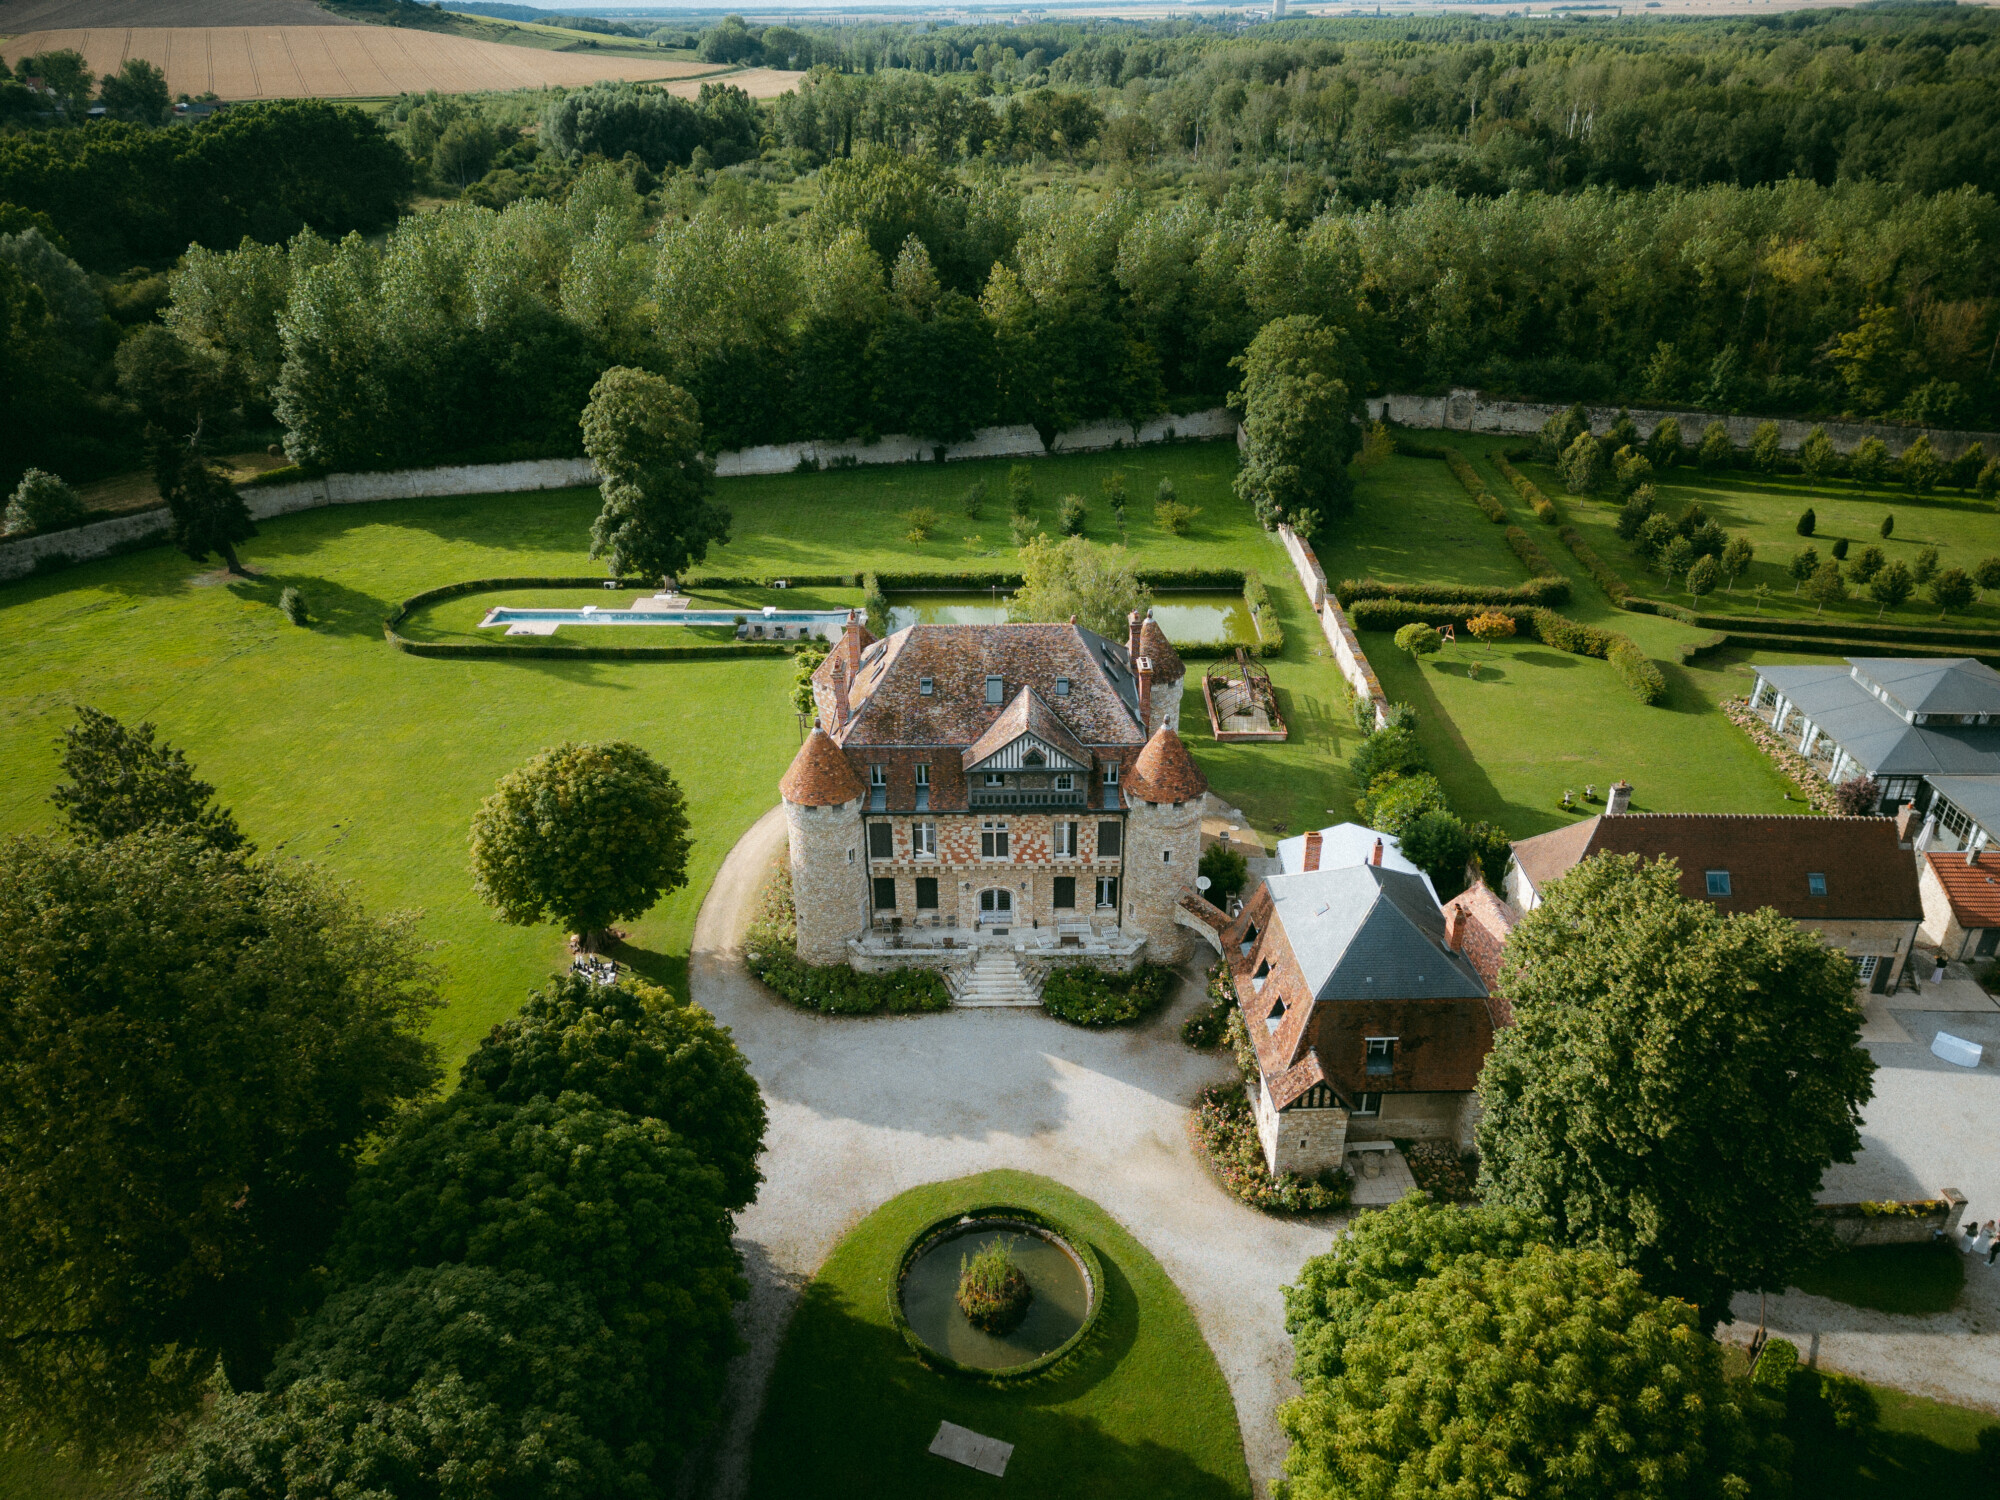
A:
(1277, 1016)
(1034, 758)
(925, 686)
(1263, 973)
(994, 689)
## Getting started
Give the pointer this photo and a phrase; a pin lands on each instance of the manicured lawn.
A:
(1140, 1410)
(1766, 509)
(1916, 1280)
(1413, 523)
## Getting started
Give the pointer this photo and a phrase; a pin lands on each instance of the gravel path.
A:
(862, 1109)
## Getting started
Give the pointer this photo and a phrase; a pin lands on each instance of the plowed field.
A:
(332, 62)
(73, 15)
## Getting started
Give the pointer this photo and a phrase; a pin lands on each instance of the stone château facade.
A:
(1014, 785)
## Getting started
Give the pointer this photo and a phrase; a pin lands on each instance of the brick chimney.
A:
(1143, 665)
(1454, 928)
(1312, 850)
(1906, 821)
(1376, 858)
(1619, 799)
(851, 640)
(839, 697)
(1134, 622)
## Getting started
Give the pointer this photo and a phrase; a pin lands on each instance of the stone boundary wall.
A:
(1468, 411)
(1852, 1224)
(1334, 622)
(103, 538)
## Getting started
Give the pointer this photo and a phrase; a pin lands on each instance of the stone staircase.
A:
(994, 979)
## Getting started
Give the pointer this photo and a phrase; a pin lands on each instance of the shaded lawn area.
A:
(1141, 1409)
(1913, 1280)
(1766, 509)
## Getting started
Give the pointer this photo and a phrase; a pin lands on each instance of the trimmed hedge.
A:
(1850, 632)
(1411, 449)
(770, 953)
(283, 474)
(1544, 508)
(1615, 588)
(1468, 477)
(1270, 634)
(1635, 669)
(1532, 557)
(1552, 588)
(1084, 996)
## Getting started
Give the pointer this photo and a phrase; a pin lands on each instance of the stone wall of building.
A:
(1412, 1117)
(1940, 930)
(1162, 857)
(1166, 706)
(1469, 411)
(1889, 941)
(829, 878)
(1302, 1142)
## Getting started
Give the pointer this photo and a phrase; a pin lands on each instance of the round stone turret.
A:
(1164, 795)
(823, 800)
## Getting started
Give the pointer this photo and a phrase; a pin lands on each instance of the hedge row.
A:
(1270, 634)
(1468, 477)
(1633, 666)
(1847, 630)
(1551, 588)
(1084, 996)
(1412, 449)
(1532, 557)
(1615, 588)
(480, 585)
(770, 953)
(1544, 508)
(283, 474)
(792, 580)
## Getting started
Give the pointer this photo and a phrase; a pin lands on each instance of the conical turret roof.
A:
(819, 775)
(1165, 772)
(1155, 647)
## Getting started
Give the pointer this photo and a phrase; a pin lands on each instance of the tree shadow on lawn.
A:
(333, 607)
(667, 970)
(1462, 770)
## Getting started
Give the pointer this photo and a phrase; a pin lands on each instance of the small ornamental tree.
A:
(1987, 574)
(1839, 549)
(1701, 577)
(1926, 565)
(1071, 513)
(1438, 1357)
(1113, 485)
(1869, 461)
(1826, 586)
(1952, 590)
(1562, 429)
(1716, 451)
(1867, 563)
(120, 782)
(1418, 639)
(1803, 566)
(1654, 533)
(1302, 387)
(1766, 447)
(1631, 469)
(1635, 512)
(1808, 523)
(636, 1048)
(1664, 446)
(204, 513)
(1988, 484)
(583, 834)
(1888, 525)
(1736, 556)
(1922, 468)
(1226, 870)
(1490, 627)
(1676, 1081)
(1857, 797)
(1020, 491)
(42, 502)
(1677, 557)
(644, 435)
(1623, 433)
(1439, 844)
(1583, 466)
(1892, 587)
(1817, 455)
(1964, 470)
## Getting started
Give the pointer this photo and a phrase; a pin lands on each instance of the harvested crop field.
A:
(335, 62)
(75, 15)
(758, 83)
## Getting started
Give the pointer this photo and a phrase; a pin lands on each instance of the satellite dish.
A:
(1201, 882)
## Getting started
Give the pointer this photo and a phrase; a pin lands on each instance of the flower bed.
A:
(1441, 1171)
(770, 953)
(1205, 1028)
(1224, 1135)
(1804, 774)
(1085, 996)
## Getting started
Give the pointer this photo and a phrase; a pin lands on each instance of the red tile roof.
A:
(1972, 889)
(1484, 928)
(1027, 714)
(1296, 1080)
(1165, 772)
(819, 775)
(1869, 876)
(1154, 645)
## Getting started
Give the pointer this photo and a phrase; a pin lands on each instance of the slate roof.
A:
(1973, 890)
(1365, 933)
(1934, 684)
(888, 707)
(819, 775)
(1027, 714)
(1878, 736)
(1165, 772)
(1869, 875)
(1344, 844)
(1978, 797)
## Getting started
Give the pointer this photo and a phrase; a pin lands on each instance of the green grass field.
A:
(1766, 508)
(1141, 1409)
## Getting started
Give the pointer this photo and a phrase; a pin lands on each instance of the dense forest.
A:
(947, 227)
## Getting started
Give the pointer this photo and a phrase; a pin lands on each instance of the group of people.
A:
(1981, 1240)
(596, 970)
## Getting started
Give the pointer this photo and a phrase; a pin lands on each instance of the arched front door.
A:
(996, 907)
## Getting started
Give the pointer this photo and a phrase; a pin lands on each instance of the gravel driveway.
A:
(862, 1109)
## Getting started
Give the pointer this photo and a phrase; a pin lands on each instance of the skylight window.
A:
(1816, 884)
(1062, 687)
(925, 686)
(994, 688)
(1718, 882)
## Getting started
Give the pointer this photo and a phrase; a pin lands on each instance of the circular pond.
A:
(1061, 1287)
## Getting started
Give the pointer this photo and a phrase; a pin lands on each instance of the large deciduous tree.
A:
(193, 1046)
(120, 782)
(1301, 392)
(634, 1048)
(644, 435)
(1445, 1352)
(1675, 1082)
(1096, 585)
(582, 834)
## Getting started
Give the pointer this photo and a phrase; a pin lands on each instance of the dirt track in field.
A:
(334, 62)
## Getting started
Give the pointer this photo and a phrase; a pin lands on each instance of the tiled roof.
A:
(1868, 875)
(1027, 714)
(1973, 890)
(1154, 645)
(1209, 916)
(1484, 928)
(1365, 933)
(888, 705)
(1296, 1080)
(819, 775)
(1165, 772)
